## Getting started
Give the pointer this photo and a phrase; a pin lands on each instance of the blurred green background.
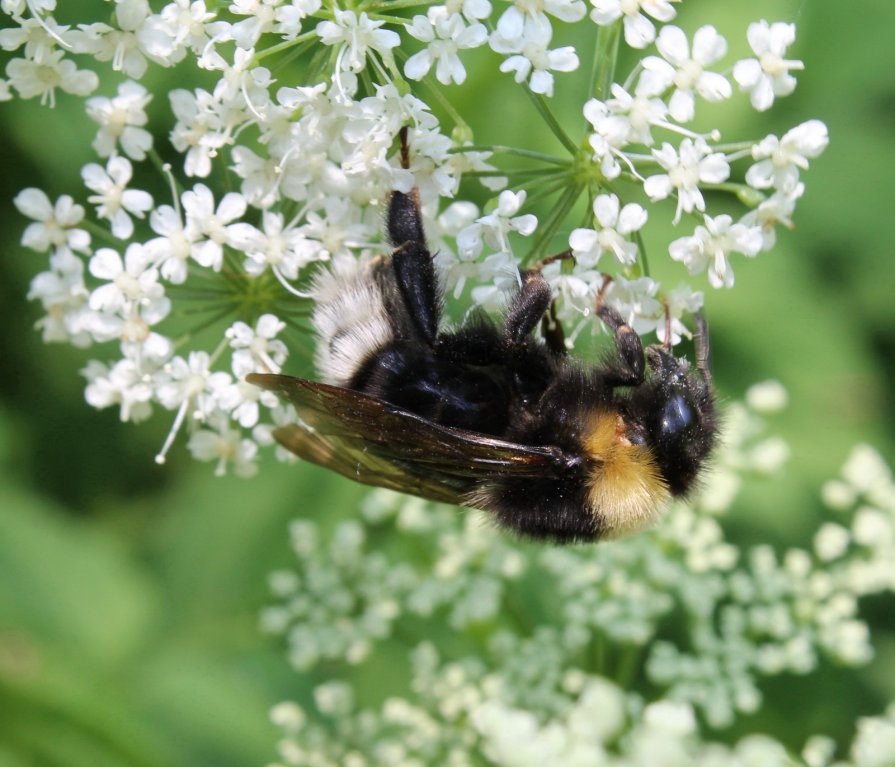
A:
(129, 592)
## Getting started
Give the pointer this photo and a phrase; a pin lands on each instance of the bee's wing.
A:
(377, 443)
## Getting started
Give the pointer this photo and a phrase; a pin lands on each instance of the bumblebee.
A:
(489, 416)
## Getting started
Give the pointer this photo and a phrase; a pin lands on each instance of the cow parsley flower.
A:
(639, 30)
(131, 283)
(55, 225)
(685, 70)
(126, 384)
(41, 77)
(533, 60)
(710, 246)
(692, 164)
(211, 226)
(121, 120)
(113, 200)
(356, 35)
(768, 76)
(779, 160)
(443, 35)
(615, 223)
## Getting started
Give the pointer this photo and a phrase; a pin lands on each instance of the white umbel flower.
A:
(114, 201)
(779, 160)
(710, 246)
(615, 224)
(358, 35)
(768, 76)
(55, 225)
(41, 78)
(639, 30)
(684, 67)
(695, 163)
(121, 120)
(443, 35)
(530, 58)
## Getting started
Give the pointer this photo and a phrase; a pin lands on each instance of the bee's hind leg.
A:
(411, 260)
(527, 308)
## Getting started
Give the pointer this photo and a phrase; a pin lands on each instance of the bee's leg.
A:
(552, 331)
(411, 260)
(416, 280)
(528, 307)
(628, 368)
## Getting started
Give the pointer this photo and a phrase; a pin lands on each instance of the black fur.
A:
(501, 382)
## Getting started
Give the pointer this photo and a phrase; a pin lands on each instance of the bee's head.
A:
(675, 411)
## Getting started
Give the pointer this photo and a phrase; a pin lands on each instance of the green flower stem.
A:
(458, 119)
(548, 187)
(392, 4)
(294, 54)
(605, 57)
(744, 193)
(284, 46)
(397, 20)
(554, 220)
(641, 253)
(103, 234)
(500, 149)
(529, 173)
(192, 332)
(543, 108)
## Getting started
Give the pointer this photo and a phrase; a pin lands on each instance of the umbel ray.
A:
(490, 416)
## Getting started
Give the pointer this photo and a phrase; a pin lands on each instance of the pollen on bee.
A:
(625, 491)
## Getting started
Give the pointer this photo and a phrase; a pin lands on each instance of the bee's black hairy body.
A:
(489, 415)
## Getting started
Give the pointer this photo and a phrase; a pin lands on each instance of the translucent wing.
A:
(377, 443)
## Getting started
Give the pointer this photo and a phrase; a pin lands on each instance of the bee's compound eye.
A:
(676, 415)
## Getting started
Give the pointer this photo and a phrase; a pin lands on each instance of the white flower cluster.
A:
(459, 717)
(284, 126)
(679, 605)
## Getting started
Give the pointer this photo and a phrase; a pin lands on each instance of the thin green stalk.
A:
(554, 221)
(543, 108)
(292, 56)
(499, 148)
(284, 46)
(529, 173)
(398, 20)
(445, 104)
(605, 57)
(392, 4)
(641, 251)
(547, 189)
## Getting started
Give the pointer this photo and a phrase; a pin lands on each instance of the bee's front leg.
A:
(628, 368)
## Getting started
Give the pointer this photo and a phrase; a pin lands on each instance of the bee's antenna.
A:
(405, 148)
(703, 350)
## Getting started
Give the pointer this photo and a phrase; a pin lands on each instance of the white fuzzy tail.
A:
(349, 318)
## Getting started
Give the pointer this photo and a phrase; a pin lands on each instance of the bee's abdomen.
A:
(350, 320)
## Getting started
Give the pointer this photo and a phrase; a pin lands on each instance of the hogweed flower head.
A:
(285, 139)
